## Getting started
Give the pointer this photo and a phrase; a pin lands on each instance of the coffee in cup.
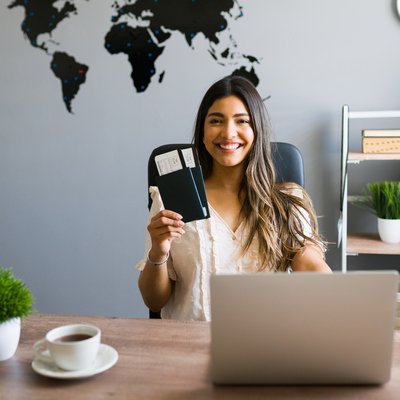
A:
(71, 347)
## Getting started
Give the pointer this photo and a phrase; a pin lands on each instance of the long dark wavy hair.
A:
(273, 212)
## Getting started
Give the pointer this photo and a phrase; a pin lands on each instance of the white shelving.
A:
(356, 243)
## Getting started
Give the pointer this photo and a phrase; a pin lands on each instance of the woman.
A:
(256, 224)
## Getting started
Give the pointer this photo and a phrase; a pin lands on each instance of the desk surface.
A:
(158, 359)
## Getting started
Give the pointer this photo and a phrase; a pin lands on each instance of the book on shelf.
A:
(381, 144)
(380, 133)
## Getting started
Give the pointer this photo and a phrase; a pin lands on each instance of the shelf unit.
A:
(354, 243)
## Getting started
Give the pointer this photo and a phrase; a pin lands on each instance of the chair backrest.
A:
(287, 160)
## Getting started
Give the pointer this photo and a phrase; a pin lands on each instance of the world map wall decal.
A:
(140, 29)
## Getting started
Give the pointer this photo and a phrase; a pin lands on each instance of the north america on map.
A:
(140, 29)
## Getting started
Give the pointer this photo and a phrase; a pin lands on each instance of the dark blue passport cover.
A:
(183, 191)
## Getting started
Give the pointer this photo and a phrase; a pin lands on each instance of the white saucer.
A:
(106, 358)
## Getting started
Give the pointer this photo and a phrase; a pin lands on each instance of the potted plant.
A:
(15, 303)
(383, 199)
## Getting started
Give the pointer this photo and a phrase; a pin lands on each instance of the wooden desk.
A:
(158, 359)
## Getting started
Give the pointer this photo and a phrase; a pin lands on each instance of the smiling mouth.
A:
(229, 146)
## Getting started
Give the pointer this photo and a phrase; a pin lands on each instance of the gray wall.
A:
(73, 187)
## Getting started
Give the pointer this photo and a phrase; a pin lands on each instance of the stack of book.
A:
(381, 141)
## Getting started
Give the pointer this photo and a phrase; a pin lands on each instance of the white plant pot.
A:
(389, 230)
(9, 337)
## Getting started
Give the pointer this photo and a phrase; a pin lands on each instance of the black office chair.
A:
(287, 159)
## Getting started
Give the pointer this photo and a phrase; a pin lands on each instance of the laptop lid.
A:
(303, 328)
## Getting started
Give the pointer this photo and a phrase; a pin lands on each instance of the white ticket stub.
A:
(168, 162)
(188, 157)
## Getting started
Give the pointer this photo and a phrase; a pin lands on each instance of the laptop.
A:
(303, 328)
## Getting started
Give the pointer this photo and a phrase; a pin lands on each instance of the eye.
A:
(215, 121)
(243, 121)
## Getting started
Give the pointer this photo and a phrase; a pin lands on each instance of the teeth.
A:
(232, 146)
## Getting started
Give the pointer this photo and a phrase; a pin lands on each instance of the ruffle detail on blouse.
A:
(155, 196)
(203, 306)
(140, 265)
(214, 248)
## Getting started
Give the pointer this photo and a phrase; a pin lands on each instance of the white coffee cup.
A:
(71, 347)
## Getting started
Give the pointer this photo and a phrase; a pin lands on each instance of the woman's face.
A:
(228, 132)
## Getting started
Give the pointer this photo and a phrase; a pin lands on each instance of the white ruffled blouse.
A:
(208, 246)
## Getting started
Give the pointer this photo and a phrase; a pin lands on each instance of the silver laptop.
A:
(303, 328)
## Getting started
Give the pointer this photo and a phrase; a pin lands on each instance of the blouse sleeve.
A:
(156, 206)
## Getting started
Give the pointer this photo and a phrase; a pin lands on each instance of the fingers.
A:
(166, 224)
(168, 214)
(167, 218)
(166, 232)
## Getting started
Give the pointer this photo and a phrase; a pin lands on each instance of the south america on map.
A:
(139, 29)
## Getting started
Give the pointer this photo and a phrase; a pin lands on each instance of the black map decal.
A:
(41, 17)
(71, 73)
(142, 52)
(140, 29)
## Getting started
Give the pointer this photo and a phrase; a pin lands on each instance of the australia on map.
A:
(140, 29)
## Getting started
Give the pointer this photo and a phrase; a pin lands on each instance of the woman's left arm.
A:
(310, 258)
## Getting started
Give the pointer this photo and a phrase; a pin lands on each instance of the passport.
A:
(181, 184)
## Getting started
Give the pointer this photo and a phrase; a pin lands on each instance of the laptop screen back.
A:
(303, 328)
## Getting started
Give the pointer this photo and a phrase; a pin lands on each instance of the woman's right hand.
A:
(163, 228)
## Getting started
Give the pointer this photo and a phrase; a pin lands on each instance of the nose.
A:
(229, 130)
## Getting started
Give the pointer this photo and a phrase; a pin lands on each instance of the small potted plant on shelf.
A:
(383, 199)
(15, 303)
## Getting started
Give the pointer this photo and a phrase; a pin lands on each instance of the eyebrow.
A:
(218, 114)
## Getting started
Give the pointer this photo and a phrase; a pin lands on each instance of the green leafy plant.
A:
(383, 199)
(15, 298)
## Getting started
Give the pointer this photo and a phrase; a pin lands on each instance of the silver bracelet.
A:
(156, 263)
